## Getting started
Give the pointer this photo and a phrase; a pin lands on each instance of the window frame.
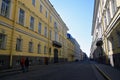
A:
(21, 17)
(3, 41)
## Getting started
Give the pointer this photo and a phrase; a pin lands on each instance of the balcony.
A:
(99, 42)
(57, 44)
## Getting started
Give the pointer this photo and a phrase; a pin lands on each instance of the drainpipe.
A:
(13, 32)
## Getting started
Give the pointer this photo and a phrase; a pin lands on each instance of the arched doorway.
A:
(55, 56)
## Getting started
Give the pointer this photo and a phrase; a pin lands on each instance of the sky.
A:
(77, 15)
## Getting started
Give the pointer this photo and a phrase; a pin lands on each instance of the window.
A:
(41, 8)
(19, 44)
(50, 33)
(55, 25)
(50, 18)
(32, 23)
(56, 36)
(33, 2)
(46, 14)
(108, 16)
(114, 7)
(2, 41)
(105, 21)
(39, 48)
(5, 8)
(21, 16)
(45, 32)
(45, 49)
(39, 28)
(30, 46)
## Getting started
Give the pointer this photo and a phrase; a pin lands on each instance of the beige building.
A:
(34, 30)
(106, 32)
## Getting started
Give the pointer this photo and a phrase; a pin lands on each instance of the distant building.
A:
(105, 46)
(76, 47)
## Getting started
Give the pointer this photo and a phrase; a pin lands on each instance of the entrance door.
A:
(55, 56)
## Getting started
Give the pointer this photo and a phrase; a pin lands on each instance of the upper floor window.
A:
(50, 34)
(5, 8)
(32, 23)
(21, 16)
(55, 25)
(39, 28)
(56, 36)
(114, 6)
(50, 18)
(46, 14)
(33, 2)
(45, 31)
(108, 16)
(41, 8)
(30, 47)
(19, 44)
(2, 41)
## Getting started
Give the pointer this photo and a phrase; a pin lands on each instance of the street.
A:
(63, 71)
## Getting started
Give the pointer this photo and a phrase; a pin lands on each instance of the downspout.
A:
(12, 35)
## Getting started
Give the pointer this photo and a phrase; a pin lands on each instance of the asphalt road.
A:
(67, 71)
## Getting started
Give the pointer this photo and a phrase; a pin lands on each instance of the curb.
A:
(102, 73)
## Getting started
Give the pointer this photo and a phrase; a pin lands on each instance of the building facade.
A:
(34, 30)
(77, 51)
(105, 32)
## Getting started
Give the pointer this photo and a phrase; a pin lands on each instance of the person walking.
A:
(27, 64)
(22, 63)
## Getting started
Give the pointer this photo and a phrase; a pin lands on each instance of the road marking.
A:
(103, 74)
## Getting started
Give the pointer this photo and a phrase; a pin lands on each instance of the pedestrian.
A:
(22, 63)
(27, 64)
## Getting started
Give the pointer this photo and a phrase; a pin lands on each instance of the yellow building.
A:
(33, 29)
(106, 30)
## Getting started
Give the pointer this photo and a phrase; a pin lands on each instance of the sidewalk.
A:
(108, 71)
(12, 71)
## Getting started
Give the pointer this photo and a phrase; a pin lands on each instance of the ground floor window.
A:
(2, 41)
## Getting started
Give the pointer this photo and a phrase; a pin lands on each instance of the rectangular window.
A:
(45, 32)
(46, 14)
(50, 18)
(30, 47)
(50, 33)
(114, 6)
(39, 28)
(21, 16)
(45, 49)
(32, 23)
(19, 44)
(2, 41)
(108, 16)
(5, 8)
(56, 36)
(39, 48)
(55, 25)
(41, 8)
(33, 2)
